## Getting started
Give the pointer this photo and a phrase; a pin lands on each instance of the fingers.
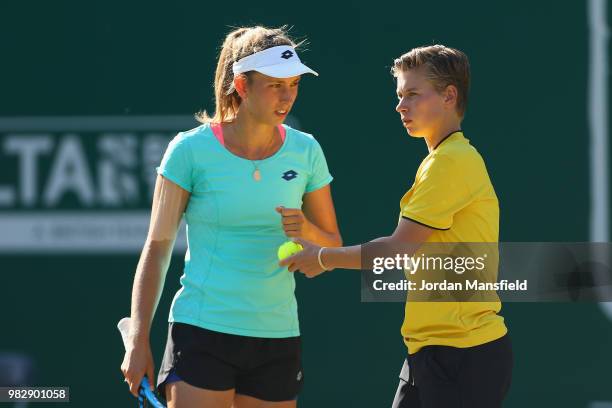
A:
(134, 372)
(291, 262)
(292, 227)
(308, 271)
(287, 261)
(133, 382)
(128, 378)
(151, 376)
(288, 212)
(292, 219)
(134, 385)
(292, 222)
(293, 267)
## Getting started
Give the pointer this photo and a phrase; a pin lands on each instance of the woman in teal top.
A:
(245, 182)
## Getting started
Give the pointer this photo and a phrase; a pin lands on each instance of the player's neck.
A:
(254, 139)
(442, 130)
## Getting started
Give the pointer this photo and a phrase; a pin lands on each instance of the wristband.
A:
(319, 258)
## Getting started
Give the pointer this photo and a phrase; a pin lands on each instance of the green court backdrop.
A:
(527, 115)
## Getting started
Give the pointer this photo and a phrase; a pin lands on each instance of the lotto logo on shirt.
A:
(289, 175)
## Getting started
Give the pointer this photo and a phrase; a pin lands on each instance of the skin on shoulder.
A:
(169, 204)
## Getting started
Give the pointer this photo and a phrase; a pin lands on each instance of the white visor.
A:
(277, 62)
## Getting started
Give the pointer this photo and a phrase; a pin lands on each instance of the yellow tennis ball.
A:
(287, 249)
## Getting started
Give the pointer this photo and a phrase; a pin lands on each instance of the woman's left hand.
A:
(294, 222)
(306, 261)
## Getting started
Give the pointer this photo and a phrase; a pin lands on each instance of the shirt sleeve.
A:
(177, 163)
(319, 174)
(438, 194)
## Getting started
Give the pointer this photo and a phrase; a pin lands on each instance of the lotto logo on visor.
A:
(277, 62)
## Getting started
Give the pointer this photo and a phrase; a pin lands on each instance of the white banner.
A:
(81, 184)
(78, 232)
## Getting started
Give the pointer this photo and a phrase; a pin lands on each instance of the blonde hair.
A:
(238, 44)
(444, 66)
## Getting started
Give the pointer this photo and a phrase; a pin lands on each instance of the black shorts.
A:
(450, 377)
(269, 369)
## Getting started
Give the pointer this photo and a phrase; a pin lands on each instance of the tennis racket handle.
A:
(145, 383)
(150, 395)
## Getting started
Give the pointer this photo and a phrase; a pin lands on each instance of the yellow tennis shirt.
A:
(452, 194)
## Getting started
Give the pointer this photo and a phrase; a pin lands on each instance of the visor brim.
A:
(285, 70)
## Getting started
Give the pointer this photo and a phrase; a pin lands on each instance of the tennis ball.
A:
(287, 249)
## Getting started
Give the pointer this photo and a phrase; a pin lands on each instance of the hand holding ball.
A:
(287, 249)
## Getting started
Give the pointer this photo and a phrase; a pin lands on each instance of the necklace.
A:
(256, 172)
(256, 163)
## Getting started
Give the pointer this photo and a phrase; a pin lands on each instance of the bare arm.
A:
(316, 221)
(322, 226)
(407, 233)
(169, 203)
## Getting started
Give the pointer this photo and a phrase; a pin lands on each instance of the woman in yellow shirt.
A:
(459, 353)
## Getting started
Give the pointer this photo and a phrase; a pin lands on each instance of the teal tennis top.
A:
(232, 282)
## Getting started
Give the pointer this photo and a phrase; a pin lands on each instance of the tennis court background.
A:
(527, 116)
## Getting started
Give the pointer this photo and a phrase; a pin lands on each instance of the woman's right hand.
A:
(138, 362)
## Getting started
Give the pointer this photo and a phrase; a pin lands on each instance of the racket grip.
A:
(153, 401)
